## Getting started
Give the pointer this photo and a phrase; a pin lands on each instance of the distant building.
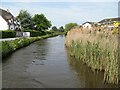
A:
(87, 25)
(8, 21)
(109, 20)
(110, 23)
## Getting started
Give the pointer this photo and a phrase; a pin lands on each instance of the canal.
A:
(46, 64)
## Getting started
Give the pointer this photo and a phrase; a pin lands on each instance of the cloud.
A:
(62, 13)
(76, 13)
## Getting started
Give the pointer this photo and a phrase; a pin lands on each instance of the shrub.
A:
(69, 26)
(8, 34)
(50, 32)
(33, 33)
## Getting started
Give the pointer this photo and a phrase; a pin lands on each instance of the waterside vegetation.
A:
(98, 51)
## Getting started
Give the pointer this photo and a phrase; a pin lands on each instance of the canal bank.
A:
(46, 64)
(7, 47)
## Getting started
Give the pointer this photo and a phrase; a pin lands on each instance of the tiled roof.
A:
(109, 20)
(6, 15)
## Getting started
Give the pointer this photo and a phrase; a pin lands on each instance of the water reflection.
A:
(44, 64)
(85, 75)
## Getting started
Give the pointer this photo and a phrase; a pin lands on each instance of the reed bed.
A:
(97, 51)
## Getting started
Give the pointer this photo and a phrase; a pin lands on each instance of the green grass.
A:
(99, 54)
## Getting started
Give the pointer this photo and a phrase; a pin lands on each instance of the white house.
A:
(87, 25)
(3, 24)
(8, 21)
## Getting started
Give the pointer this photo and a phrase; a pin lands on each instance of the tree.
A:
(54, 28)
(26, 19)
(61, 29)
(70, 26)
(41, 22)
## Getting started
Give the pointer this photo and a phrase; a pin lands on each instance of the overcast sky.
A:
(60, 13)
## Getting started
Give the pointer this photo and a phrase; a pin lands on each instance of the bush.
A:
(33, 33)
(69, 26)
(8, 34)
(49, 32)
(54, 28)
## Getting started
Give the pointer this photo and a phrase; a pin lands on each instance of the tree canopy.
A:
(54, 28)
(70, 26)
(61, 29)
(26, 19)
(41, 22)
(37, 22)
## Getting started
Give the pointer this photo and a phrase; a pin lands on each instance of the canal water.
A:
(46, 64)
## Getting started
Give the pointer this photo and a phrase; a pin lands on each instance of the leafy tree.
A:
(40, 22)
(70, 26)
(54, 28)
(61, 29)
(26, 19)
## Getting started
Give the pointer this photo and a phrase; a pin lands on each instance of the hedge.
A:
(33, 33)
(8, 34)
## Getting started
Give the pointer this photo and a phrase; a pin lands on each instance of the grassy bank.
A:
(7, 47)
(98, 52)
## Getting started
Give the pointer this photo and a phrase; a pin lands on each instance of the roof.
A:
(109, 20)
(6, 15)
(89, 23)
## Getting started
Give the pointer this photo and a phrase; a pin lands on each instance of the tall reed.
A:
(98, 52)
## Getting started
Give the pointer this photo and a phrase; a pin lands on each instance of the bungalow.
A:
(8, 21)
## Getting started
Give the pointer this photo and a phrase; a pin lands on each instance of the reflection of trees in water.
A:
(85, 75)
(42, 49)
(46, 47)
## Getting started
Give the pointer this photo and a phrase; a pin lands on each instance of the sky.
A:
(65, 11)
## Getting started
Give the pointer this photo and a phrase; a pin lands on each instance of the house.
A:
(8, 21)
(109, 20)
(87, 25)
(110, 23)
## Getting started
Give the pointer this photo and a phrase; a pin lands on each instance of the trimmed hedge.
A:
(33, 33)
(8, 34)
